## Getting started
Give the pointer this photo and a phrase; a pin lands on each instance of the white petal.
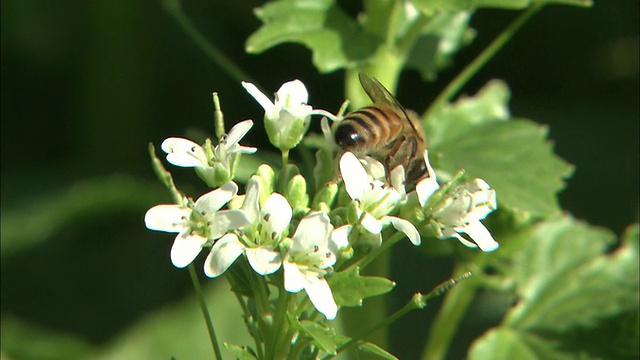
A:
(185, 249)
(372, 224)
(169, 218)
(313, 231)
(451, 232)
(277, 213)
(480, 235)
(183, 152)
(251, 204)
(215, 200)
(238, 131)
(397, 179)
(355, 177)
(406, 227)
(223, 253)
(224, 221)
(339, 238)
(426, 187)
(374, 168)
(261, 98)
(291, 94)
(321, 297)
(263, 260)
(294, 280)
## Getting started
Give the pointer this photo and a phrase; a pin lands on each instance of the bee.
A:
(385, 131)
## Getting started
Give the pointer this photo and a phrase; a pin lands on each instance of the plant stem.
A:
(416, 303)
(205, 311)
(481, 60)
(174, 7)
(451, 313)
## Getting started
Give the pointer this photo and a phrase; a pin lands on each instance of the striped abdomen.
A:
(369, 130)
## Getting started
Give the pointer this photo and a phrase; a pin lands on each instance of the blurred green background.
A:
(87, 85)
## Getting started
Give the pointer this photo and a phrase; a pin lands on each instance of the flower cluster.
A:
(274, 226)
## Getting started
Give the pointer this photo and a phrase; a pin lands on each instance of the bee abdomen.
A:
(370, 126)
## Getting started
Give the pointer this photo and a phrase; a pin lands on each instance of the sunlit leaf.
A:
(567, 279)
(349, 288)
(514, 157)
(334, 38)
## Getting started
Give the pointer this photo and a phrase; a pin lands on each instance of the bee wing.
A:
(380, 95)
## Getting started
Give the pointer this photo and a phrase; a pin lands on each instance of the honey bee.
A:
(385, 131)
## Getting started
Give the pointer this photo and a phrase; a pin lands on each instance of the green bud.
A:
(352, 213)
(285, 176)
(325, 195)
(266, 177)
(296, 192)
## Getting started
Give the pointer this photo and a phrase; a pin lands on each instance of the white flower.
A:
(461, 214)
(258, 240)
(196, 224)
(310, 258)
(215, 165)
(287, 119)
(375, 201)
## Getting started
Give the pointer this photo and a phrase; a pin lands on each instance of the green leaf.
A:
(334, 38)
(240, 352)
(514, 157)
(376, 350)
(566, 278)
(323, 337)
(445, 33)
(505, 344)
(349, 288)
(429, 6)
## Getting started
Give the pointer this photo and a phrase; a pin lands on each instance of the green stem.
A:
(285, 158)
(481, 60)
(451, 313)
(174, 7)
(205, 311)
(417, 302)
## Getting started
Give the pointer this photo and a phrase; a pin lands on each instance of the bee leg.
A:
(403, 150)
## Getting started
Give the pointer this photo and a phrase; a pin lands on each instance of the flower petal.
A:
(251, 204)
(406, 227)
(450, 232)
(426, 187)
(292, 93)
(169, 218)
(223, 253)
(214, 200)
(294, 280)
(184, 152)
(185, 249)
(277, 213)
(264, 260)
(321, 297)
(237, 132)
(356, 180)
(480, 235)
(397, 180)
(261, 98)
(224, 221)
(372, 224)
(313, 231)
(339, 238)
